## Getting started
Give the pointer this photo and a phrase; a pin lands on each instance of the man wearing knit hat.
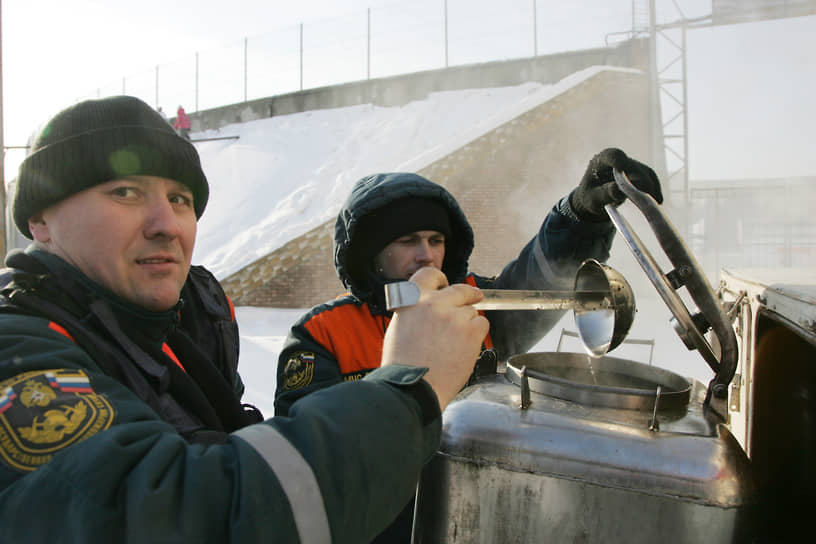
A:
(393, 224)
(120, 400)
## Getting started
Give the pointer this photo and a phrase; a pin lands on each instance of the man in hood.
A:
(391, 225)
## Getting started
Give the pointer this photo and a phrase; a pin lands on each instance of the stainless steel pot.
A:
(567, 448)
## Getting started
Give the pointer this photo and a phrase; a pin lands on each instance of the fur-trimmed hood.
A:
(378, 191)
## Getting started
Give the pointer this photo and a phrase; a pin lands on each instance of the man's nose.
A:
(423, 251)
(161, 219)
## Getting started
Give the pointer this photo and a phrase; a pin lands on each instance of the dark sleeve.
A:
(91, 462)
(366, 442)
(548, 261)
(304, 366)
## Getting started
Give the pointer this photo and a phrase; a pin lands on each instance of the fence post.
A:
(3, 232)
(535, 29)
(3, 226)
(245, 69)
(446, 33)
(196, 82)
(368, 44)
(301, 56)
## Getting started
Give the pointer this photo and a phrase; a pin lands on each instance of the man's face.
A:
(407, 254)
(134, 236)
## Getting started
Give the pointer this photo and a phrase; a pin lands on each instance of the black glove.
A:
(598, 187)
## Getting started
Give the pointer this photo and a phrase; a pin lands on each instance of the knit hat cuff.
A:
(70, 165)
(398, 218)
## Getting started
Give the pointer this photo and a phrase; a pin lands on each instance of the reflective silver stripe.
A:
(296, 478)
(543, 263)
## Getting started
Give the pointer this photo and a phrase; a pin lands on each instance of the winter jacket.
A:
(121, 424)
(341, 340)
(182, 120)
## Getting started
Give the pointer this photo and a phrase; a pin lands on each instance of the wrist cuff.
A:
(565, 208)
(409, 379)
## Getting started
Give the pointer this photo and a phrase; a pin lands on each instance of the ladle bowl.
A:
(602, 330)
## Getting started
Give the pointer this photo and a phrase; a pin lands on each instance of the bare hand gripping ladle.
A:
(602, 302)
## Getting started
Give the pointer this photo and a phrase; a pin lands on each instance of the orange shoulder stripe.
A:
(351, 334)
(60, 329)
(169, 352)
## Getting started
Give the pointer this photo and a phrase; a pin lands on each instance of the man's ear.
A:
(38, 228)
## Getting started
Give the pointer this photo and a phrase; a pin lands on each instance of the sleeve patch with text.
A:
(45, 411)
(299, 370)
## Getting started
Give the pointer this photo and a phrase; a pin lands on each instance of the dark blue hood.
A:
(375, 192)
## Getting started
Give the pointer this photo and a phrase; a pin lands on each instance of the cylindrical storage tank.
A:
(587, 459)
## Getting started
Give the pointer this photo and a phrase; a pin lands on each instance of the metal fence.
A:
(753, 223)
(379, 42)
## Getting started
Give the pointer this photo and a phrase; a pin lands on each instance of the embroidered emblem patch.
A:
(299, 370)
(354, 376)
(44, 411)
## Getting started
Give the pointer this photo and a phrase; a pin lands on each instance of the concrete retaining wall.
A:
(506, 181)
(399, 90)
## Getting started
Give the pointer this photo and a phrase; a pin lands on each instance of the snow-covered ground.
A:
(263, 331)
(286, 175)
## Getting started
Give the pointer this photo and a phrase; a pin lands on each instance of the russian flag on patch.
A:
(70, 383)
(6, 398)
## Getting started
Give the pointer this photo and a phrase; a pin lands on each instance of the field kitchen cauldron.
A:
(565, 447)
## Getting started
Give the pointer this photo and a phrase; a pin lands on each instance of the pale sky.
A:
(750, 86)
(55, 51)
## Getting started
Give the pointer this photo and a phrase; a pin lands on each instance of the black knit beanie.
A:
(96, 141)
(382, 226)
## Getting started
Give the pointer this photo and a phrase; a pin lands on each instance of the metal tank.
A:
(563, 447)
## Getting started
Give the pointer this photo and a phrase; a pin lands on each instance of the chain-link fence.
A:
(378, 42)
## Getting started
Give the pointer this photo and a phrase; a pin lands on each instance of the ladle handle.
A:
(405, 293)
(509, 299)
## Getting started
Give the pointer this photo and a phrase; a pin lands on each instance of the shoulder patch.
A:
(299, 370)
(44, 411)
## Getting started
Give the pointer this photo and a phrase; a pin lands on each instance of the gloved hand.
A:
(598, 187)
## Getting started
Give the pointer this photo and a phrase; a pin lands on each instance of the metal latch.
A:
(734, 398)
(654, 426)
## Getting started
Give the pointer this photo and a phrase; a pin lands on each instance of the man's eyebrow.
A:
(180, 187)
(183, 188)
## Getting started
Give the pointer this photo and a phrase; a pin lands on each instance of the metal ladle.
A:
(602, 302)
(603, 330)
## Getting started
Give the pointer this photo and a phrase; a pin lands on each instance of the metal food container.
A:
(562, 447)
